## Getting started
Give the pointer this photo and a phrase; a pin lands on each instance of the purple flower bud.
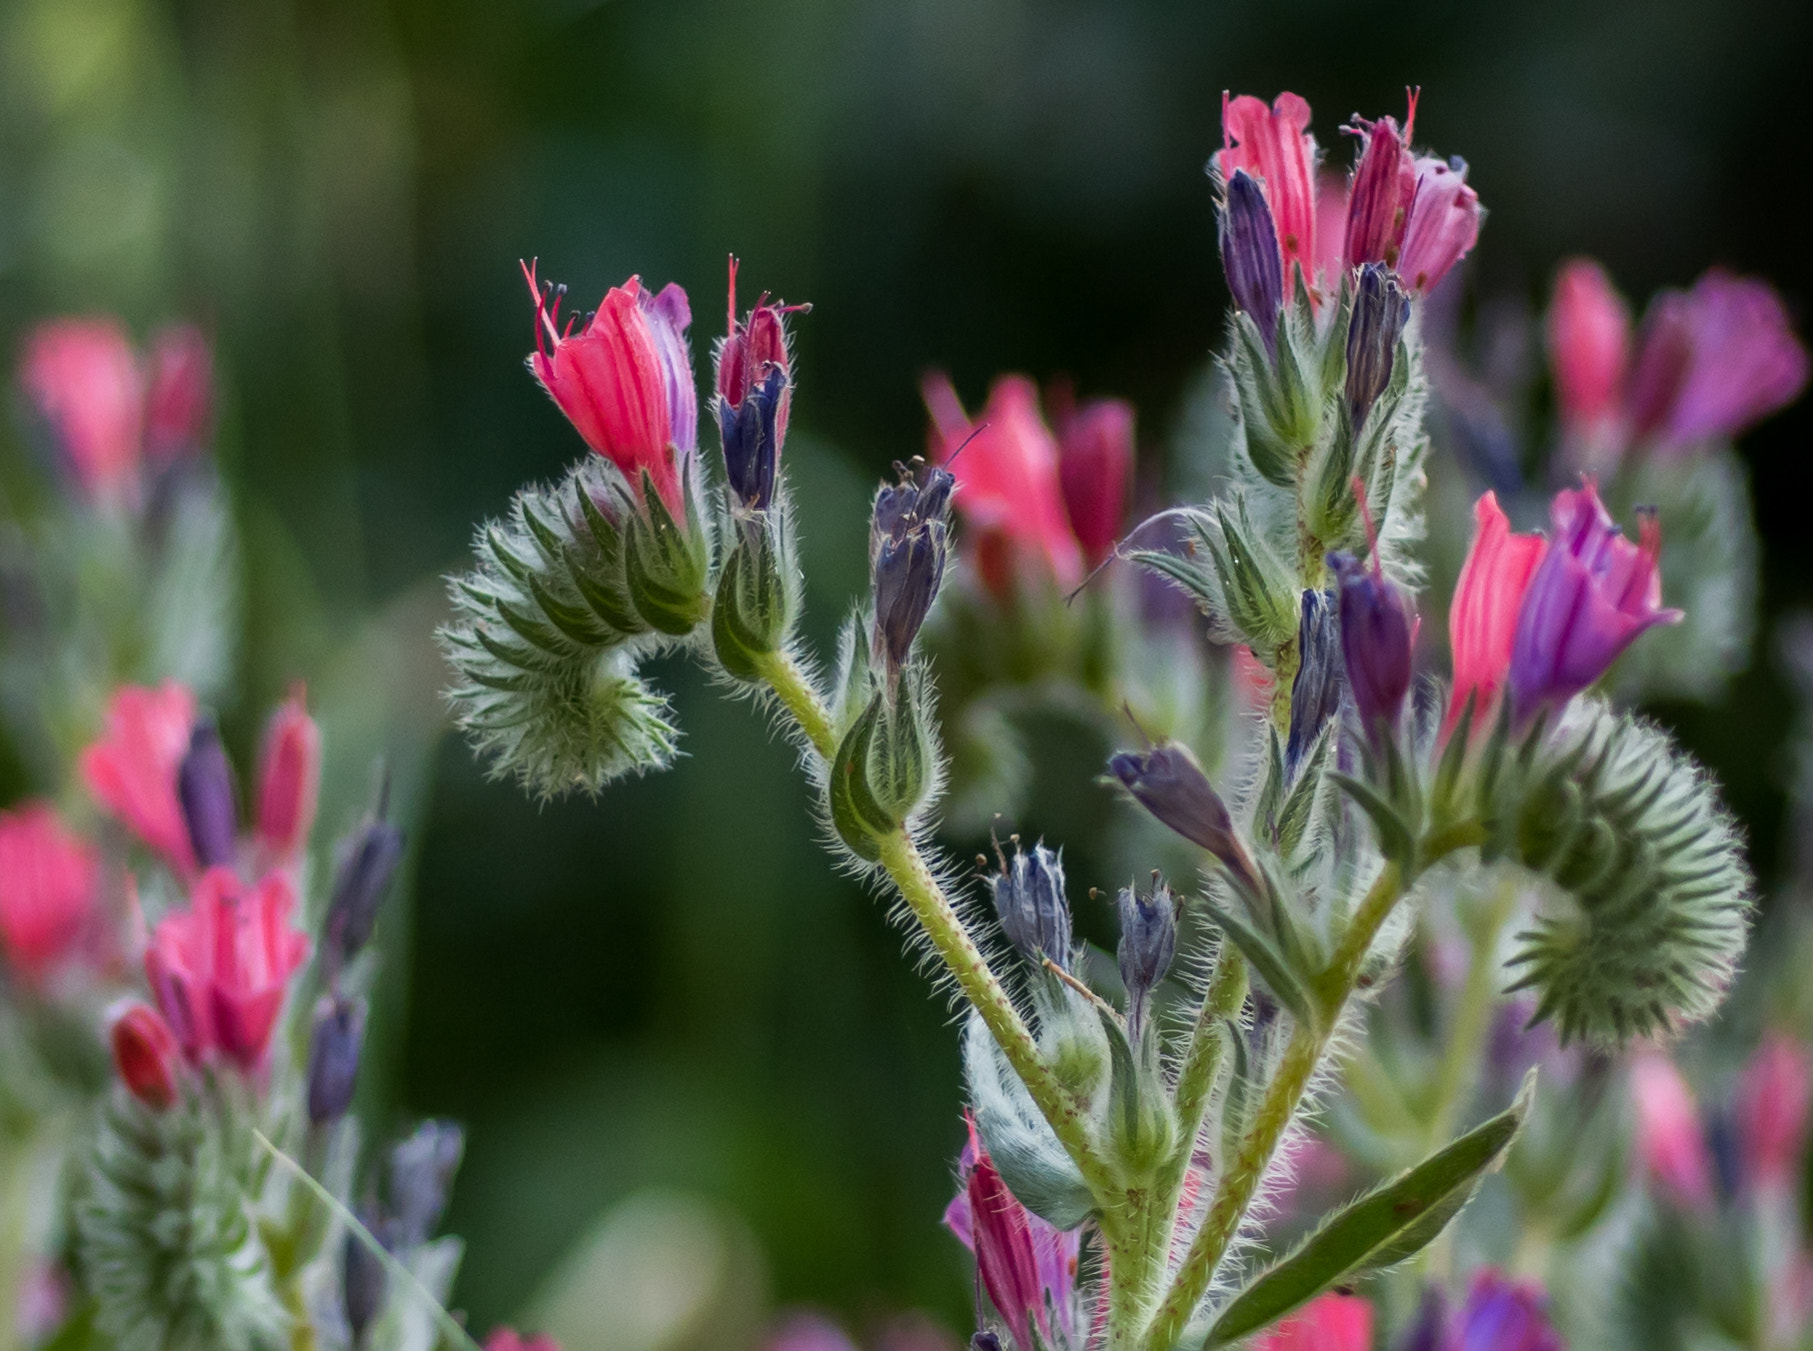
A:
(363, 1281)
(1377, 626)
(1380, 311)
(333, 1058)
(1250, 257)
(752, 444)
(1592, 594)
(204, 784)
(421, 1174)
(908, 547)
(1148, 943)
(1502, 1315)
(1029, 898)
(1317, 687)
(1168, 782)
(367, 859)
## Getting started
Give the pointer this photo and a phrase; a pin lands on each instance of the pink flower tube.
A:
(132, 769)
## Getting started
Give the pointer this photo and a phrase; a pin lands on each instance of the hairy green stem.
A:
(1241, 1177)
(801, 701)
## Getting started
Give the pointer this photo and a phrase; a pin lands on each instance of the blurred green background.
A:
(670, 987)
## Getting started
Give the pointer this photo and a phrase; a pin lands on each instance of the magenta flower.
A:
(1095, 461)
(1331, 1322)
(1671, 1140)
(624, 380)
(1442, 225)
(132, 769)
(1273, 146)
(1027, 1265)
(179, 402)
(48, 877)
(1502, 1315)
(219, 969)
(1741, 362)
(1488, 597)
(1592, 594)
(1384, 185)
(1007, 480)
(83, 377)
(1773, 1095)
(289, 781)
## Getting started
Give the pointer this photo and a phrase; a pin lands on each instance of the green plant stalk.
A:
(1302, 1054)
(912, 876)
(1472, 1020)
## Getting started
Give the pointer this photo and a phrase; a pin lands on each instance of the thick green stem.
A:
(1243, 1173)
(1472, 1020)
(797, 696)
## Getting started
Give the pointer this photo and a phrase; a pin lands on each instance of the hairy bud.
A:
(204, 785)
(333, 1058)
(1380, 311)
(757, 600)
(1377, 625)
(884, 768)
(1029, 897)
(908, 548)
(1317, 688)
(1168, 782)
(1148, 944)
(1249, 255)
(367, 860)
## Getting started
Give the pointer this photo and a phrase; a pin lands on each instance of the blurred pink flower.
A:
(132, 769)
(1670, 1137)
(1589, 344)
(1773, 1095)
(1442, 224)
(219, 969)
(1331, 1322)
(506, 1339)
(1007, 479)
(83, 376)
(179, 404)
(289, 781)
(146, 1055)
(47, 889)
(1744, 360)
(1095, 460)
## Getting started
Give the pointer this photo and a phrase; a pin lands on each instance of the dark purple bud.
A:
(1029, 898)
(1317, 687)
(333, 1058)
(985, 1341)
(1380, 311)
(1504, 1315)
(367, 859)
(1168, 782)
(1377, 626)
(363, 1281)
(1250, 257)
(752, 447)
(421, 1174)
(909, 544)
(1148, 944)
(204, 785)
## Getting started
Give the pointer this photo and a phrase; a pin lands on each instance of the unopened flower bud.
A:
(179, 403)
(146, 1055)
(204, 785)
(1168, 782)
(908, 547)
(421, 1174)
(1377, 626)
(1316, 689)
(1148, 943)
(289, 780)
(755, 395)
(364, 1284)
(367, 860)
(1384, 183)
(1029, 898)
(333, 1058)
(1249, 255)
(1380, 311)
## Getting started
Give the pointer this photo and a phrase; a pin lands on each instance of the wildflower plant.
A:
(1121, 1149)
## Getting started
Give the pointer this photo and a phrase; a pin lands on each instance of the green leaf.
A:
(1395, 839)
(1274, 968)
(1379, 1230)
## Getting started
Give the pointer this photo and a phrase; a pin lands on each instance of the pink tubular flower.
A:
(180, 402)
(1589, 344)
(1273, 145)
(84, 378)
(219, 969)
(624, 380)
(1007, 476)
(1670, 1140)
(1384, 186)
(1442, 225)
(507, 1339)
(1331, 1322)
(1592, 594)
(145, 1055)
(1743, 360)
(47, 889)
(289, 781)
(1482, 620)
(132, 769)
(1027, 1265)
(1773, 1095)
(1095, 459)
